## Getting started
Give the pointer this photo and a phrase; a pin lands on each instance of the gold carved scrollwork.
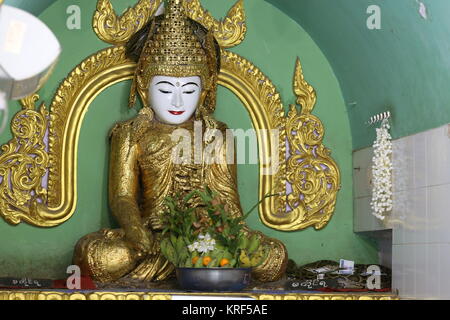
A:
(23, 165)
(115, 30)
(312, 173)
(118, 30)
(230, 31)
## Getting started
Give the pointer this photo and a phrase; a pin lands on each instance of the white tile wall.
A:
(362, 162)
(420, 160)
(420, 271)
(366, 222)
(433, 261)
(417, 218)
(403, 158)
(444, 270)
(397, 268)
(420, 219)
(409, 277)
(438, 156)
(438, 214)
(403, 204)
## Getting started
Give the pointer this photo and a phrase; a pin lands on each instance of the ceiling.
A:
(402, 67)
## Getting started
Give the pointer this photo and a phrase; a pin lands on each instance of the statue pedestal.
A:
(168, 290)
(123, 294)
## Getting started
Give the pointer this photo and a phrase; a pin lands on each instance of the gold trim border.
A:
(110, 295)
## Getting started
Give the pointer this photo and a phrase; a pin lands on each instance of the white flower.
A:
(205, 245)
(382, 173)
(202, 248)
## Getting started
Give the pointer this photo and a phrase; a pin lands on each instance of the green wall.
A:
(33, 6)
(26, 250)
(404, 67)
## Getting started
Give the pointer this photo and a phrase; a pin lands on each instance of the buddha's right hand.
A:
(141, 240)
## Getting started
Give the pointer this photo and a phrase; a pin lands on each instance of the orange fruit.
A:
(195, 259)
(224, 262)
(206, 260)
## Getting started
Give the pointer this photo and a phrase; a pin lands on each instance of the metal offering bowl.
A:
(213, 279)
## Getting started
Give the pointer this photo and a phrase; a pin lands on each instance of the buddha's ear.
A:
(201, 105)
(144, 95)
(203, 97)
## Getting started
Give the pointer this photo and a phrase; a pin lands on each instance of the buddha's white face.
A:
(174, 100)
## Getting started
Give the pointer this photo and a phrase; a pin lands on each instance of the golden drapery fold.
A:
(141, 176)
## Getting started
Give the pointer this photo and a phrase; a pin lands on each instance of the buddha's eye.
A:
(165, 91)
(189, 92)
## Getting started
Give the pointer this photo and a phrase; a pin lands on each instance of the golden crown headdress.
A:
(175, 46)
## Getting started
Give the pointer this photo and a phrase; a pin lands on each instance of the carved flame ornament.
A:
(38, 167)
(118, 30)
(313, 175)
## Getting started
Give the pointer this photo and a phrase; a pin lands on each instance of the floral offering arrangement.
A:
(207, 236)
(382, 173)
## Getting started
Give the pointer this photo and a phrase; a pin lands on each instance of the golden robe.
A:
(142, 174)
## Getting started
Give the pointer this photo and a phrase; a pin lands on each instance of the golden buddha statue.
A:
(178, 62)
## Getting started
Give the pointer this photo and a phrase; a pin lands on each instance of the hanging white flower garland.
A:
(382, 173)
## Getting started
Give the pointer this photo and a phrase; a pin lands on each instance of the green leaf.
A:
(173, 239)
(227, 255)
(189, 196)
(213, 264)
(188, 263)
(199, 263)
(180, 245)
(208, 190)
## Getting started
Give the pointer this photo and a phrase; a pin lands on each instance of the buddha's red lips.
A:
(176, 113)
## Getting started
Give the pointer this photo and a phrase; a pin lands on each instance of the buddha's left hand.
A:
(154, 223)
(141, 240)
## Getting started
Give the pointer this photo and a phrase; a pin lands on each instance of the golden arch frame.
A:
(311, 173)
